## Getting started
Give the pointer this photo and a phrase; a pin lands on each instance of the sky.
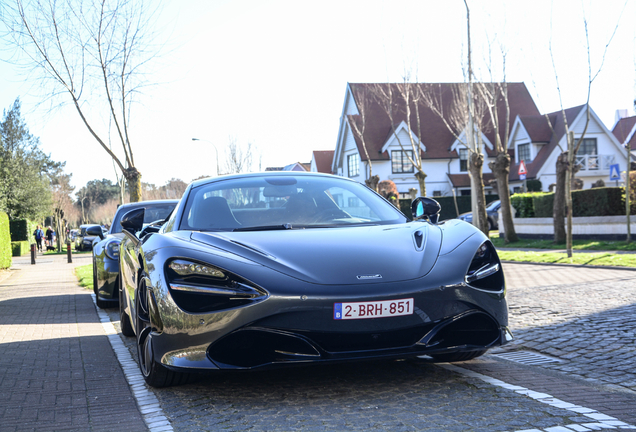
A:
(274, 73)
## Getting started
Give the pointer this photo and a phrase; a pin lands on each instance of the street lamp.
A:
(215, 150)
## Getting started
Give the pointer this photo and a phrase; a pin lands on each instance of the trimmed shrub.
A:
(19, 248)
(22, 229)
(522, 203)
(543, 204)
(608, 201)
(5, 241)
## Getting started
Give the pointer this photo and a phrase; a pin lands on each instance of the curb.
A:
(571, 265)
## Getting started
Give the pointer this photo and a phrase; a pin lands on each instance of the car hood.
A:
(348, 255)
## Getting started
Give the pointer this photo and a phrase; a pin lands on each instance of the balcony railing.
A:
(594, 162)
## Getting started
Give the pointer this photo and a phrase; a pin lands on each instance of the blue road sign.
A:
(522, 176)
(614, 172)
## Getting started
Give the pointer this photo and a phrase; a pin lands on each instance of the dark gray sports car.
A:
(106, 249)
(261, 270)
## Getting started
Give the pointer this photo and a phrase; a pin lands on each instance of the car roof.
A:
(266, 174)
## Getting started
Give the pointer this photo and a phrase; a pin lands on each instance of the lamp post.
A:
(215, 150)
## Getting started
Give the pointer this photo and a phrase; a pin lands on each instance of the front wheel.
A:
(124, 319)
(458, 356)
(154, 373)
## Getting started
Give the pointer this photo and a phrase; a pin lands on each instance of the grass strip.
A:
(85, 276)
(576, 244)
(589, 259)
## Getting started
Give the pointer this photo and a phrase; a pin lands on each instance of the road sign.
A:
(522, 168)
(522, 176)
(614, 172)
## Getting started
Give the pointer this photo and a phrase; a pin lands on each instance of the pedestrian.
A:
(38, 234)
(49, 238)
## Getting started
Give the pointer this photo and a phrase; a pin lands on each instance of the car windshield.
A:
(153, 212)
(493, 206)
(284, 202)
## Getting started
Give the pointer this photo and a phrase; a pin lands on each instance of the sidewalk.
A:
(57, 368)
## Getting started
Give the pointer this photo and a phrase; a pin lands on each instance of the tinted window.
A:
(301, 201)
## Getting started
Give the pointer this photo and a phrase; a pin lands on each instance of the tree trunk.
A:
(477, 182)
(501, 169)
(558, 212)
(421, 179)
(372, 182)
(133, 178)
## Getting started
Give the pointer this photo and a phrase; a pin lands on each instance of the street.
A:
(581, 321)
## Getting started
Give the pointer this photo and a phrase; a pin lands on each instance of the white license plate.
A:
(376, 309)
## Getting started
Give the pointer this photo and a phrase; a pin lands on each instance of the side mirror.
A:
(422, 207)
(133, 221)
(95, 230)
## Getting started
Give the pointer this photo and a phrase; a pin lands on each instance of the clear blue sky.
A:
(274, 73)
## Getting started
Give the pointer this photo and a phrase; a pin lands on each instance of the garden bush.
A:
(19, 248)
(22, 229)
(606, 201)
(522, 203)
(5, 241)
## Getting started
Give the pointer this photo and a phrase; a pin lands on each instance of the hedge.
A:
(448, 205)
(22, 229)
(19, 248)
(5, 241)
(607, 201)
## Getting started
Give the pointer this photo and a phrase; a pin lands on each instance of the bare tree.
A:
(492, 93)
(359, 124)
(61, 190)
(93, 51)
(565, 164)
(239, 158)
(407, 98)
(466, 125)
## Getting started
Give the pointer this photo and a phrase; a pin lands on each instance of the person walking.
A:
(38, 234)
(49, 236)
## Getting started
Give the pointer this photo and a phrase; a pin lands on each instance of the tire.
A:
(458, 356)
(100, 303)
(155, 374)
(124, 319)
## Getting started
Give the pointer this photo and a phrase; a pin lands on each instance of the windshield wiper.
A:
(265, 228)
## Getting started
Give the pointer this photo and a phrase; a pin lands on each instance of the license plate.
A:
(376, 309)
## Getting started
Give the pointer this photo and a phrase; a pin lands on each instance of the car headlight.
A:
(201, 287)
(485, 270)
(112, 249)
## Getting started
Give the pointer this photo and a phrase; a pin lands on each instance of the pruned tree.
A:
(565, 163)
(492, 95)
(358, 126)
(93, 53)
(466, 125)
(63, 207)
(398, 101)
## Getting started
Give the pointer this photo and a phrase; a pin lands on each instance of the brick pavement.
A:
(57, 368)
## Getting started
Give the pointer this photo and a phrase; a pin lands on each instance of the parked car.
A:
(492, 210)
(106, 249)
(84, 240)
(263, 270)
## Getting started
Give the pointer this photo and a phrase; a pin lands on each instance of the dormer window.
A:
(463, 160)
(400, 162)
(523, 152)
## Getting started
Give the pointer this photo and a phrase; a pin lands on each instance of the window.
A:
(524, 152)
(588, 147)
(353, 165)
(463, 160)
(437, 193)
(400, 162)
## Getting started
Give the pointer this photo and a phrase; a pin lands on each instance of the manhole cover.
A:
(527, 357)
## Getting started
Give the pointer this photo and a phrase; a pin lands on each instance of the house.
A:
(321, 161)
(539, 139)
(296, 166)
(387, 145)
(625, 131)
